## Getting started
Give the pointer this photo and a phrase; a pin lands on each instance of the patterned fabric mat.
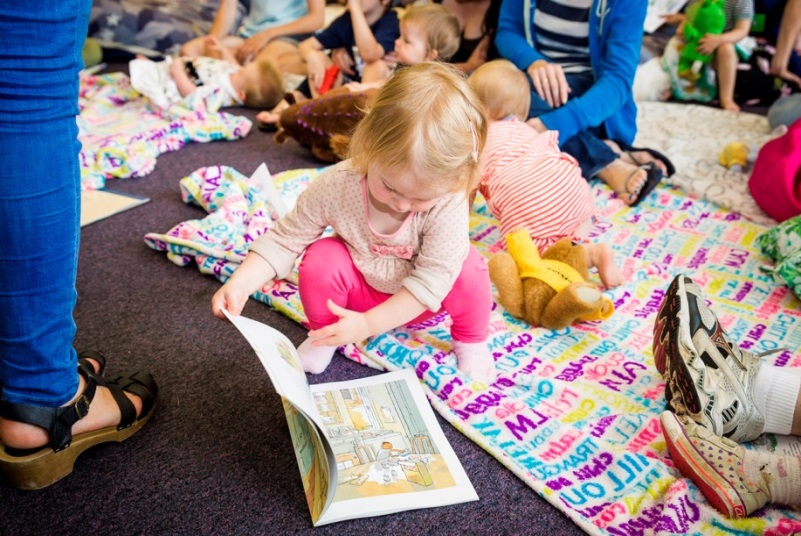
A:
(122, 135)
(573, 413)
(692, 136)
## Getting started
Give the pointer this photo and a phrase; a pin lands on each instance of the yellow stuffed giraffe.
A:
(551, 291)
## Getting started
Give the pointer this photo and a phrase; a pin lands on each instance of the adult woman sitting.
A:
(581, 56)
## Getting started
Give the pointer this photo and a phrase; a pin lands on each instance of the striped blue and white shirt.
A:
(562, 29)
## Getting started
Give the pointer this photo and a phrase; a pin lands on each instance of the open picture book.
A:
(365, 447)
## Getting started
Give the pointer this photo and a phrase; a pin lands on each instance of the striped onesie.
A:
(530, 184)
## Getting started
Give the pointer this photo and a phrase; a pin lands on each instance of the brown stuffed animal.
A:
(313, 122)
(549, 291)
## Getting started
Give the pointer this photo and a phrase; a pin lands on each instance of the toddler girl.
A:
(399, 208)
(528, 182)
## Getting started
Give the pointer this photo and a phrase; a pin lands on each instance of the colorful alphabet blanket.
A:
(574, 413)
(122, 133)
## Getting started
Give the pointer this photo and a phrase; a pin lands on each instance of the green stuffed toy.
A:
(704, 17)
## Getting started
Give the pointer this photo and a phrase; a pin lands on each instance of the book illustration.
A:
(364, 447)
(380, 442)
(311, 457)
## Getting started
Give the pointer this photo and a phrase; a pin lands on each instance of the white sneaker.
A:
(708, 377)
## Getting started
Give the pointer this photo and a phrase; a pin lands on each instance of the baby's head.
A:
(503, 89)
(428, 32)
(260, 85)
(425, 129)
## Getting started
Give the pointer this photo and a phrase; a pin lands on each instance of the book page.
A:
(313, 452)
(312, 458)
(390, 452)
(280, 359)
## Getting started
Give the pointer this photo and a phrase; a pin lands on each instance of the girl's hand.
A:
(549, 82)
(230, 297)
(709, 43)
(342, 60)
(351, 327)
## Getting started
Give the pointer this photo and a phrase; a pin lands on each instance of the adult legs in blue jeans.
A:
(40, 56)
(597, 156)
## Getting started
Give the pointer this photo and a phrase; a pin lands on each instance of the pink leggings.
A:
(327, 271)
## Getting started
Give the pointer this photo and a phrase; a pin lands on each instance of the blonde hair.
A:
(267, 89)
(425, 122)
(439, 25)
(503, 88)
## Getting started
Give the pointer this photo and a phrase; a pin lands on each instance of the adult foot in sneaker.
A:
(708, 377)
(716, 465)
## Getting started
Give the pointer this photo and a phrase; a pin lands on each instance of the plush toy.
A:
(549, 291)
(312, 123)
(706, 17)
(736, 156)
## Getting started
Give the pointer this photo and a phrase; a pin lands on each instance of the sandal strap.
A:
(83, 361)
(140, 384)
(57, 421)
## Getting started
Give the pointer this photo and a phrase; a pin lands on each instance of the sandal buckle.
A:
(81, 407)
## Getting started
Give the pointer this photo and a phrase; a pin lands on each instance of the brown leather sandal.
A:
(32, 469)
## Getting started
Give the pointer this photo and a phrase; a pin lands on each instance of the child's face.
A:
(399, 194)
(411, 47)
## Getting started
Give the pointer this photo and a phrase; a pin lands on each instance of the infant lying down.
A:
(527, 181)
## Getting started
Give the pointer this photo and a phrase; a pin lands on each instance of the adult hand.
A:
(252, 45)
(549, 82)
(351, 327)
(213, 46)
(709, 43)
(342, 59)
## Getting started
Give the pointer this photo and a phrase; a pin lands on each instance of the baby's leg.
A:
(602, 257)
(726, 67)
(469, 304)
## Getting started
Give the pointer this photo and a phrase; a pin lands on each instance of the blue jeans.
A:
(40, 56)
(587, 146)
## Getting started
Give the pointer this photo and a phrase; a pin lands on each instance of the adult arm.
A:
(308, 23)
(510, 39)
(614, 74)
(225, 18)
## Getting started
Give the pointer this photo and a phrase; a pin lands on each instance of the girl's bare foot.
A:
(625, 179)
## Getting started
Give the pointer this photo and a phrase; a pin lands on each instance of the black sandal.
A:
(94, 355)
(31, 469)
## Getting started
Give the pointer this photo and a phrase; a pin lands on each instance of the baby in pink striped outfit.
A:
(527, 181)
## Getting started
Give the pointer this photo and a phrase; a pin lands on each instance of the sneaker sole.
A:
(717, 489)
